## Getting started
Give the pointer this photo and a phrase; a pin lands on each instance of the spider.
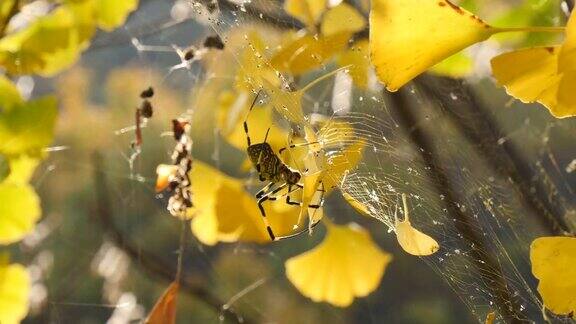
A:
(271, 168)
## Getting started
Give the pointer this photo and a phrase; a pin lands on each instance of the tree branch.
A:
(483, 260)
(149, 262)
(479, 127)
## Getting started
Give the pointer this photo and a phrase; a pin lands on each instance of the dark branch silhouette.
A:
(150, 263)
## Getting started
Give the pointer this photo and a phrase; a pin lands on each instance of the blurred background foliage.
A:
(79, 273)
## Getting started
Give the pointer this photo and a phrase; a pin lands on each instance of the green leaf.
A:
(530, 13)
(14, 291)
(456, 66)
(9, 95)
(50, 43)
(28, 128)
(19, 211)
(113, 13)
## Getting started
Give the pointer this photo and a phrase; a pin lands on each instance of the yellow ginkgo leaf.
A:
(226, 212)
(412, 240)
(9, 95)
(307, 11)
(347, 264)
(531, 75)
(339, 165)
(112, 13)
(234, 107)
(543, 74)
(567, 56)
(253, 64)
(360, 207)
(410, 36)
(302, 52)
(14, 292)
(358, 58)
(19, 211)
(554, 264)
(342, 19)
(21, 168)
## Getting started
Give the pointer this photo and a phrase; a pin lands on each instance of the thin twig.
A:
(483, 260)
(149, 262)
(11, 13)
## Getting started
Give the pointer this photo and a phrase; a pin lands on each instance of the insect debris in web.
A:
(175, 178)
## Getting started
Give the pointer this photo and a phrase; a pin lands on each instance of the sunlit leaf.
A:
(554, 264)
(9, 95)
(347, 264)
(303, 52)
(21, 168)
(357, 57)
(232, 112)
(412, 240)
(408, 37)
(28, 127)
(342, 19)
(164, 311)
(112, 13)
(14, 293)
(254, 65)
(531, 76)
(456, 66)
(339, 165)
(225, 211)
(49, 43)
(19, 211)
(360, 208)
(307, 11)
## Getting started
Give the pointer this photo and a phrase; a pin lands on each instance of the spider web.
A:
(249, 279)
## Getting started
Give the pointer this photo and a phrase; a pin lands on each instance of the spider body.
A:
(279, 176)
(269, 165)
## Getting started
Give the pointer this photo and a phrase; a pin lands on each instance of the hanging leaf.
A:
(164, 311)
(554, 264)
(19, 211)
(14, 292)
(412, 240)
(345, 265)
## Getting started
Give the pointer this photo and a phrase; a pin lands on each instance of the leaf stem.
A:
(530, 29)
